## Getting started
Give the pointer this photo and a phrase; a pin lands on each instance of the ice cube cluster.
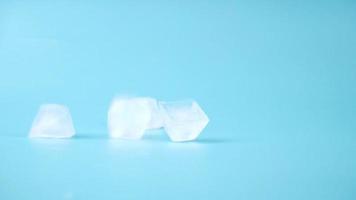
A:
(129, 118)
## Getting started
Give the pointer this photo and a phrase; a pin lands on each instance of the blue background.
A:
(277, 79)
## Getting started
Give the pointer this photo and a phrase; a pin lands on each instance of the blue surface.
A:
(277, 79)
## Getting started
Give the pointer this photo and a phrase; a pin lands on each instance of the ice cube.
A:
(183, 120)
(52, 121)
(128, 118)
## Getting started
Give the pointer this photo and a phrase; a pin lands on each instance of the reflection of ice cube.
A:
(52, 121)
(183, 120)
(128, 118)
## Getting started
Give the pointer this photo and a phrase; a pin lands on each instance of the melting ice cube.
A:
(183, 120)
(128, 118)
(52, 121)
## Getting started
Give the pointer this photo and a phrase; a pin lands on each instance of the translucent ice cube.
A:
(183, 120)
(128, 118)
(52, 121)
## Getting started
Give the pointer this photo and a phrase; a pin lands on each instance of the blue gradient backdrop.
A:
(277, 79)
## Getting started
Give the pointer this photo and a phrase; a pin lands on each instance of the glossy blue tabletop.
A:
(276, 78)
